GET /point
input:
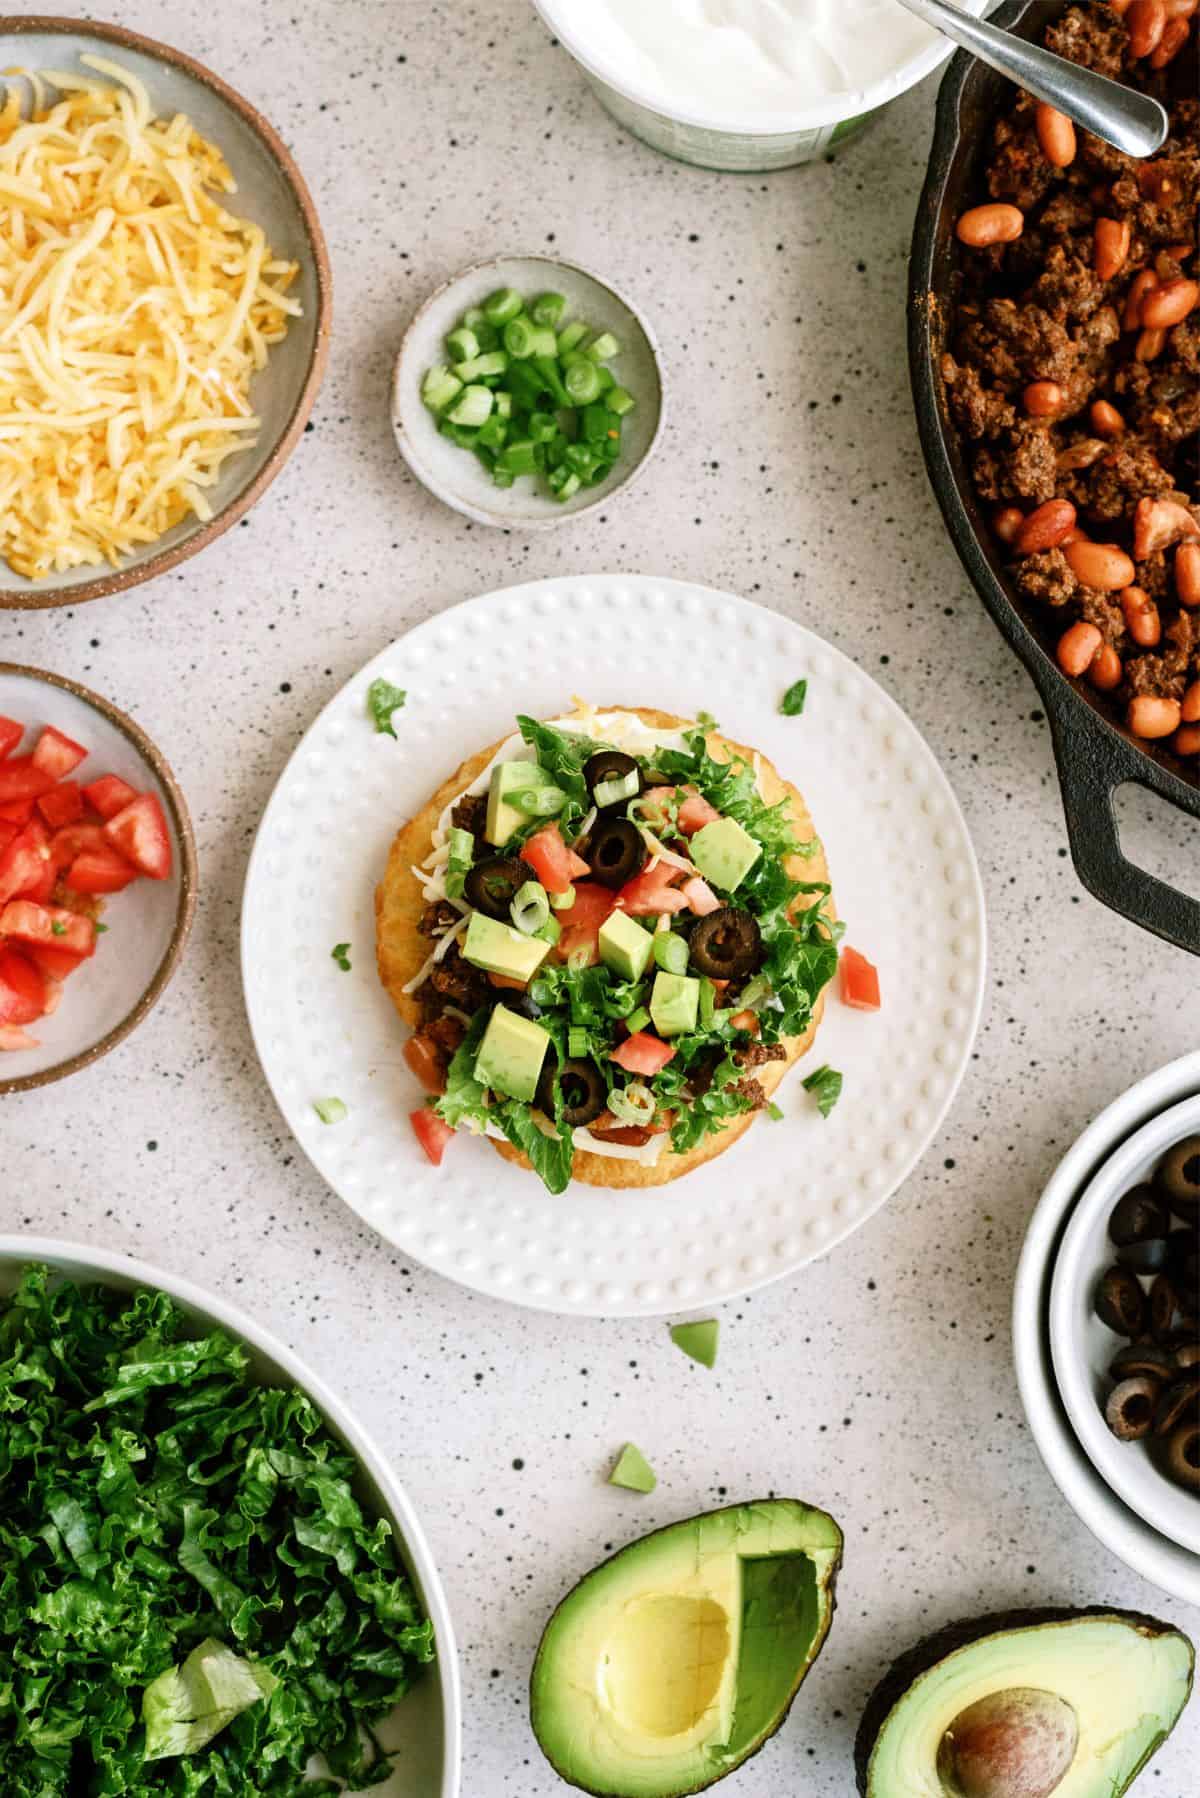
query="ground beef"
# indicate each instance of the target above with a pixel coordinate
(751, 1090)
(1037, 310)
(438, 918)
(758, 1054)
(471, 814)
(456, 982)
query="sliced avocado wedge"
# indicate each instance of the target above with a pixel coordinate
(1027, 1704)
(673, 1663)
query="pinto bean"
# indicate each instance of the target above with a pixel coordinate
(1045, 527)
(1152, 717)
(1105, 672)
(1056, 135)
(1112, 240)
(1106, 420)
(1141, 617)
(1104, 566)
(1170, 304)
(983, 226)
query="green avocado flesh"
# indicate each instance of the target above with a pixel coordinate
(1059, 1705)
(671, 1664)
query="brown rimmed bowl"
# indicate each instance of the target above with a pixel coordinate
(146, 926)
(271, 190)
(1095, 755)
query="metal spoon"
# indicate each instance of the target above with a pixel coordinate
(1122, 116)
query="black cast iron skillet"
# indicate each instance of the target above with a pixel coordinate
(1094, 756)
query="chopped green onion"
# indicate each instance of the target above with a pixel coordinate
(618, 789)
(440, 387)
(494, 434)
(670, 952)
(603, 347)
(462, 849)
(826, 1087)
(545, 802)
(792, 703)
(708, 1000)
(698, 1340)
(563, 484)
(570, 337)
(550, 931)
(504, 404)
(501, 306)
(633, 1104)
(341, 954)
(57, 929)
(330, 1111)
(519, 338)
(473, 317)
(462, 345)
(530, 908)
(577, 1043)
(620, 401)
(543, 427)
(582, 381)
(633, 1471)
(483, 367)
(519, 458)
(547, 368)
(382, 700)
(637, 1020)
(562, 901)
(473, 407)
(547, 309)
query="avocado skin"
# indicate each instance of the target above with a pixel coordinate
(831, 1590)
(926, 1654)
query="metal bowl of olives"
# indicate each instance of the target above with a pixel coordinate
(1125, 1322)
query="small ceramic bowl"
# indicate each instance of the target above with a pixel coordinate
(146, 926)
(454, 474)
(1082, 1347)
(271, 191)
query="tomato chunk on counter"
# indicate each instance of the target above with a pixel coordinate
(140, 834)
(27, 922)
(22, 989)
(860, 981)
(432, 1134)
(109, 795)
(643, 1054)
(57, 755)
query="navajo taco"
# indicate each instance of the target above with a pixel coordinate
(611, 935)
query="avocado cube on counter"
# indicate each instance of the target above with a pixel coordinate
(674, 1003)
(499, 949)
(503, 818)
(511, 1055)
(724, 853)
(625, 946)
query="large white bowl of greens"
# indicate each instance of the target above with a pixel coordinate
(211, 1584)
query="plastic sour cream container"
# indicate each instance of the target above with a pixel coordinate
(747, 85)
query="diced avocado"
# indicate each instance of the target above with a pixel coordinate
(633, 1471)
(511, 1054)
(624, 946)
(698, 1340)
(499, 949)
(503, 818)
(724, 853)
(1068, 1703)
(672, 1663)
(674, 1003)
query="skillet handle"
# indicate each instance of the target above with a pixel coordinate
(1093, 761)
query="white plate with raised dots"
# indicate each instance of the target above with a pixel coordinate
(904, 876)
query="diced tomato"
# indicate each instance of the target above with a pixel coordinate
(860, 981)
(507, 980)
(56, 754)
(139, 832)
(10, 735)
(427, 1062)
(17, 811)
(12, 1037)
(52, 925)
(20, 779)
(550, 858)
(577, 868)
(581, 922)
(99, 871)
(59, 964)
(695, 813)
(26, 864)
(700, 896)
(22, 989)
(746, 1020)
(652, 891)
(109, 795)
(7, 833)
(633, 1136)
(643, 1054)
(71, 841)
(431, 1133)
(52, 994)
(61, 805)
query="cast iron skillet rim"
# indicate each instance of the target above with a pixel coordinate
(1094, 758)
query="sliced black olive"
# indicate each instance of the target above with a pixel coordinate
(491, 886)
(726, 945)
(1183, 1456)
(1180, 1403)
(1138, 1217)
(1120, 1302)
(610, 764)
(1169, 1309)
(1178, 1177)
(1129, 1412)
(615, 851)
(1146, 1257)
(1142, 1360)
(1187, 1356)
(581, 1084)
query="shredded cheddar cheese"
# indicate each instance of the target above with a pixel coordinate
(134, 311)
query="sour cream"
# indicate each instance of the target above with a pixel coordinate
(735, 59)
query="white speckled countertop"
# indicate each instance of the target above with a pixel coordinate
(879, 1383)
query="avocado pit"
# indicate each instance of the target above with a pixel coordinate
(1017, 1743)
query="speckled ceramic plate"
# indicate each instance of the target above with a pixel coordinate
(904, 876)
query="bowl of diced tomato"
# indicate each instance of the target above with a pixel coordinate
(97, 876)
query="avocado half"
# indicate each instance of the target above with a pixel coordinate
(1055, 1703)
(668, 1666)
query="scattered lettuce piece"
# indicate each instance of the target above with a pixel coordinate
(382, 700)
(774, 1112)
(341, 954)
(185, 1707)
(792, 703)
(826, 1087)
(633, 1471)
(331, 1111)
(698, 1340)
